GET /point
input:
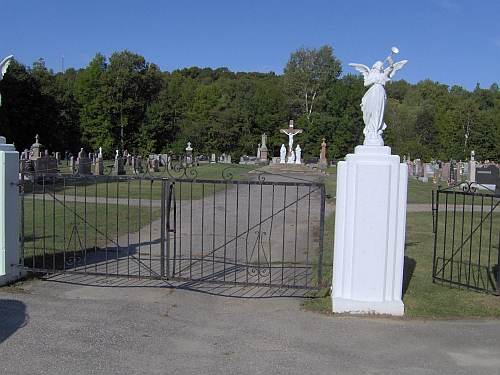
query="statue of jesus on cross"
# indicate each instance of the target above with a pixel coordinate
(291, 133)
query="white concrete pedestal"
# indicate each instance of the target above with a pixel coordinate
(370, 232)
(9, 213)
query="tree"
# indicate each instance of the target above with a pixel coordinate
(115, 98)
(94, 122)
(308, 74)
(346, 125)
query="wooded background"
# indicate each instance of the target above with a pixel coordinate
(126, 103)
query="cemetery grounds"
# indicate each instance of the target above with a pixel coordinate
(422, 297)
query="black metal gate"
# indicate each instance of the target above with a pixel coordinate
(221, 231)
(467, 239)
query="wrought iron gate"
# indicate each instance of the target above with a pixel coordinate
(467, 239)
(221, 231)
(247, 232)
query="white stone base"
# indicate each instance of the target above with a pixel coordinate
(370, 228)
(9, 222)
(349, 306)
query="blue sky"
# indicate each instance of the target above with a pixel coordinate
(454, 42)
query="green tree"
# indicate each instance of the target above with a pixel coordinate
(307, 75)
(115, 99)
(346, 129)
(94, 116)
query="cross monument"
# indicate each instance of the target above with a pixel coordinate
(291, 133)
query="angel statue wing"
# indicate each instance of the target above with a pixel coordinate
(361, 68)
(396, 67)
(5, 64)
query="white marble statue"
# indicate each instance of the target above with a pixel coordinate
(291, 159)
(298, 154)
(373, 102)
(3, 67)
(283, 153)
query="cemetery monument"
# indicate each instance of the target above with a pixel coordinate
(263, 151)
(370, 212)
(291, 132)
(373, 102)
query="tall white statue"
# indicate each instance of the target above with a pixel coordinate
(298, 154)
(3, 67)
(373, 102)
(283, 153)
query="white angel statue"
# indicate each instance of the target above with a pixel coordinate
(373, 102)
(3, 67)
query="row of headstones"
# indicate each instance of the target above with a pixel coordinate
(455, 173)
(46, 164)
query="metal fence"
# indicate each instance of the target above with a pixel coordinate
(220, 231)
(467, 239)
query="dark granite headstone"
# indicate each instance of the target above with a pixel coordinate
(45, 167)
(487, 174)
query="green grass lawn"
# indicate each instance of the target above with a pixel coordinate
(54, 230)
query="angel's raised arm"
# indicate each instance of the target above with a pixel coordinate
(396, 67)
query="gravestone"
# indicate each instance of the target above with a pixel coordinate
(312, 160)
(45, 167)
(263, 151)
(445, 172)
(137, 164)
(154, 165)
(322, 156)
(84, 165)
(487, 176)
(119, 166)
(99, 166)
(35, 149)
(429, 171)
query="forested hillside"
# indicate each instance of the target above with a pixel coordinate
(124, 102)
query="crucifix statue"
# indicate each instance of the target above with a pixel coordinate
(290, 132)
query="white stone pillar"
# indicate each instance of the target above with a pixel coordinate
(472, 172)
(9, 213)
(370, 232)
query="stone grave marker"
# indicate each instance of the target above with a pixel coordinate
(84, 165)
(487, 176)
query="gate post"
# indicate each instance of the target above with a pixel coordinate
(370, 232)
(9, 213)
